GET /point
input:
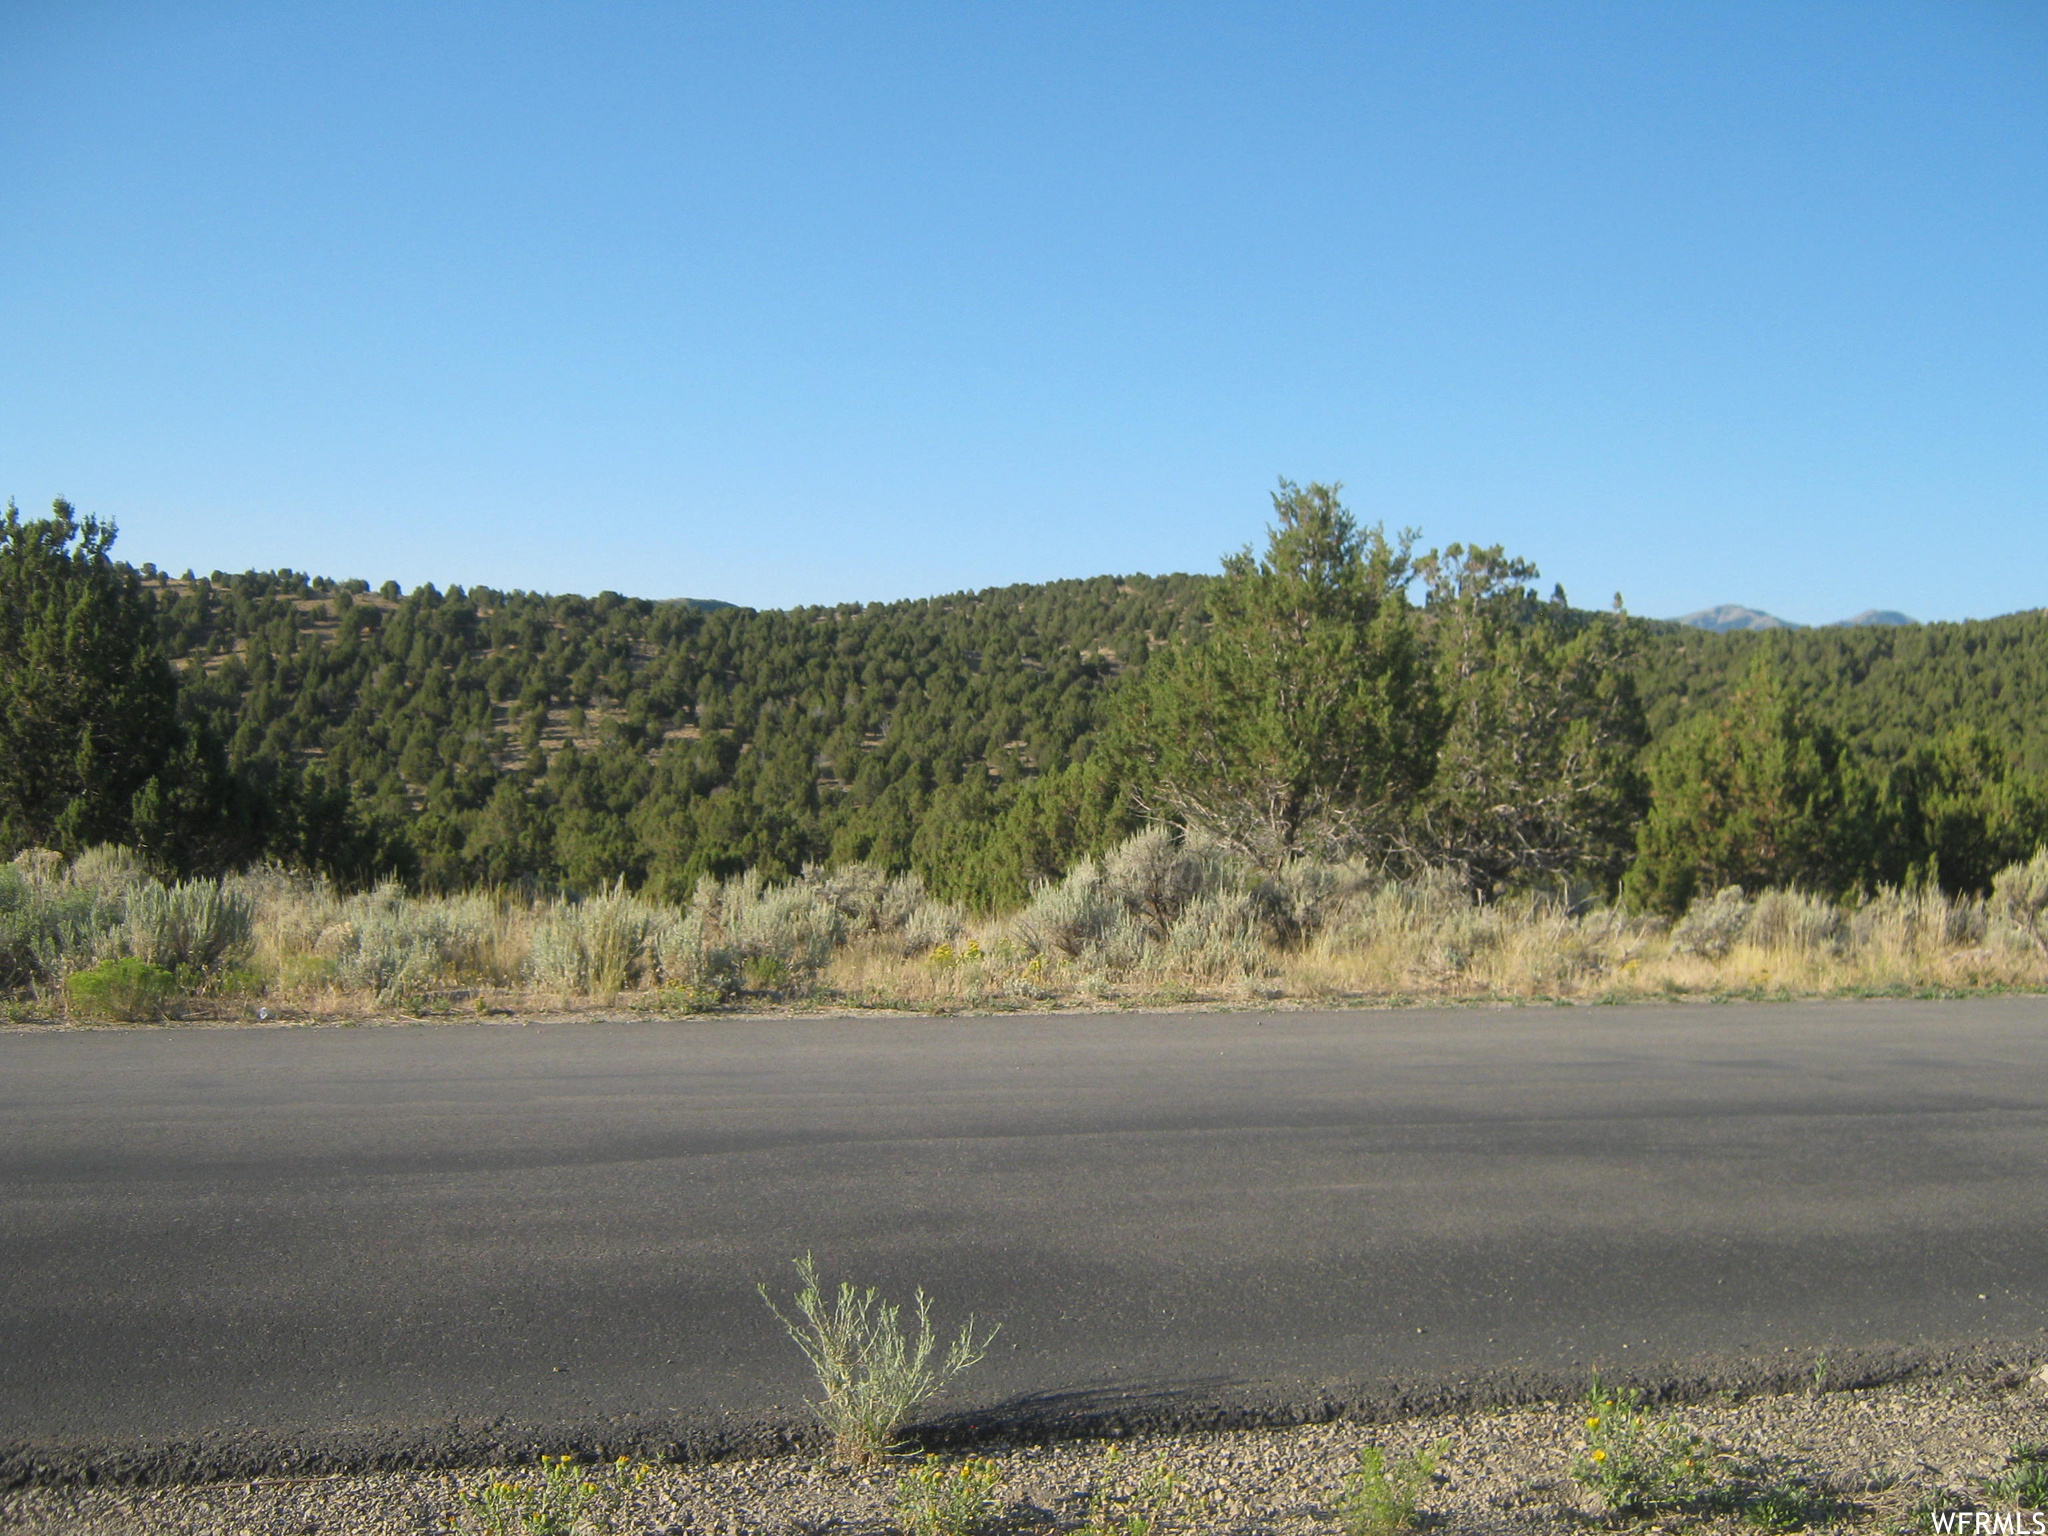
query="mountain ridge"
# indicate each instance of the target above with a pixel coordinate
(1725, 618)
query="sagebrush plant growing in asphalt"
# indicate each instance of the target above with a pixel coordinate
(874, 1374)
(1114, 1510)
(937, 1500)
(1380, 1499)
(566, 1500)
(1636, 1461)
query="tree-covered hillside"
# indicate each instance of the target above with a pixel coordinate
(498, 736)
(1885, 688)
(1339, 695)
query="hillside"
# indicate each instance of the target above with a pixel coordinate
(1884, 687)
(514, 734)
(500, 736)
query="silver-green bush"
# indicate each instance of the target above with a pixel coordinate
(2019, 895)
(1712, 925)
(196, 924)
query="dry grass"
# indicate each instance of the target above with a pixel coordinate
(1155, 923)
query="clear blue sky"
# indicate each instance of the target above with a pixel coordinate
(1703, 303)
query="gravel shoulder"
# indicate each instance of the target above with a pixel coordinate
(1881, 1452)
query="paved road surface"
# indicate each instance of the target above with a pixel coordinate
(311, 1233)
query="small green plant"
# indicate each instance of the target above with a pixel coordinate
(767, 973)
(123, 988)
(1381, 1500)
(2024, 1482)
(1637, 1462)
(566, 1500)
(235, 984)
(936, 1500)
(874, 1374)
(1786, 1505)
(1817, 1379)
(1114, 1510)
(689, 997)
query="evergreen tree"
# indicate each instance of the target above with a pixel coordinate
(1303, 718)
(89, 735)
(1960, 809)
(1754, 794)
(1536, 774)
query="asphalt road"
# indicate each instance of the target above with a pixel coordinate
(316, 1239)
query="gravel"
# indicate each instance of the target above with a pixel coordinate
(1880, 1451)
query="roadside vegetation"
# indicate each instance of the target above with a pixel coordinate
(1159, 920)
(1902, 1460)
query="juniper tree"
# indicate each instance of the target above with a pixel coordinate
(88, 702)
(1303, 715)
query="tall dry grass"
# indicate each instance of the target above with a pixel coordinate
(1156, 920)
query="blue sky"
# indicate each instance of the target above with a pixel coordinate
(1701, 303)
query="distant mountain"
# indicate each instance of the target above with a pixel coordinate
(1734, 616)
(1873, 616)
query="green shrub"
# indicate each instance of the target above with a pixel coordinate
(874, 1375)
(766, 973)
(123, 988)
(1381, 1500)
(937, 1500)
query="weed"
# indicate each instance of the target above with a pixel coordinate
(123, 988)
(236, 982)
(1637, 1462)
(1787, 1505)
(937, 1500)
(2023, 1483)
(689, 997)
(1920, 1516)
(1381, 1500)
(567, 1500)
(1137, 1511)
(1817, 1380)
(874, 1375)
(767, 973)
